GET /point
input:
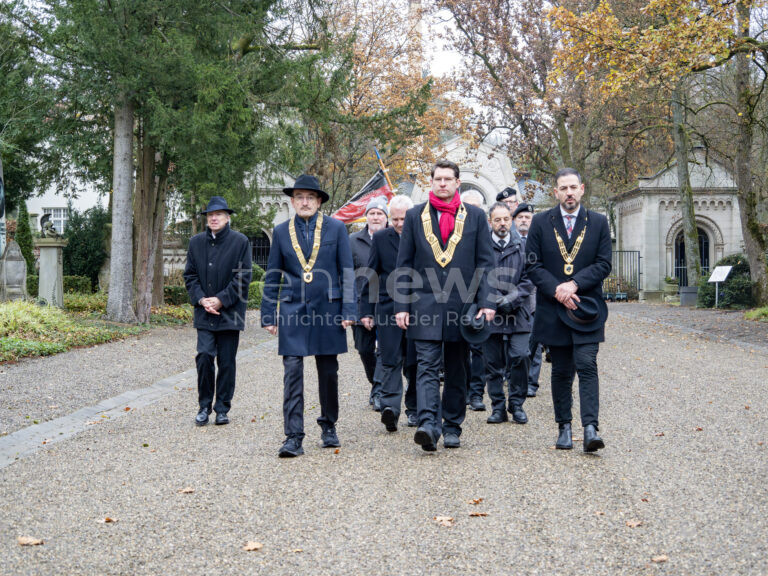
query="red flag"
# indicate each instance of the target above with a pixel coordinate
(355, 206)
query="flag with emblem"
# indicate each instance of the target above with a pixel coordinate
(354, 209)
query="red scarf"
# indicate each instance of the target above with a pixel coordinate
(448, 209)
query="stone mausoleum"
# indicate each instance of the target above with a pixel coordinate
(649, 221)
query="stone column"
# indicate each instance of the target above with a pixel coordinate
(51, 281)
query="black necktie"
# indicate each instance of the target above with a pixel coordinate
(501, 243)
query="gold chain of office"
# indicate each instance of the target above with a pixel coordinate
(569, 257)
(443, 257)
(307, 266)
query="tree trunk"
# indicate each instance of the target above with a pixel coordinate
(690, 232)
(754, 240)
(148, 217)
(158, 295)
(120, 300)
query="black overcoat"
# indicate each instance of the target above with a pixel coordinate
(434, 295)
(546, 268)
(375, 300)
(219, 267)
(310, 314)
(510, 279)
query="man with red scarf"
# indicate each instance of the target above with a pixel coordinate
(443, 262)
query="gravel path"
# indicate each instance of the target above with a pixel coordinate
(683, 480)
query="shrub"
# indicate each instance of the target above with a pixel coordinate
(258, 273)
(758, 314)
(175, 295)
(172, 314)
(79, 302)
(33, 285)
(735, 292)
(24, 237)
(175, 278)
(255, 292)
(85, 253)
(77, 285)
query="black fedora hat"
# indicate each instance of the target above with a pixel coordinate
(307, 182)
(217, 203)
(590, 314)
(473, 330)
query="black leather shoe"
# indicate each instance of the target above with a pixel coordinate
(532, 391)
(413, 421)
(451, 440)
(222, 418)
(202, 417)
(389, 419)
(377, 403)
(476, 404)
(592, 442)
(424, 439)
(291, 448)
(497, 417)
(518, 414)
(564, 438)
(329, 438)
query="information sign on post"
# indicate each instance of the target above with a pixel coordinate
(719, 274)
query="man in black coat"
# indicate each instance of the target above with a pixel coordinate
(506, 350)
(365, 340)
(377, 310)
(217, 276)
(569, 256)
(443, 262)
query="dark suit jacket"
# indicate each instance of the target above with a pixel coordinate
(545, 268)
(309, 317)
(219, 267)
(434, 296)
(375, 301)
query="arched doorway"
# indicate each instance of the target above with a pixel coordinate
(681, 272)
(260, 249)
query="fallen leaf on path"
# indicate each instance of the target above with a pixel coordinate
(699, 428)
(297, 550)
(478, 514)
(746, 407)
(475, 501)
(187, 490)
(659, 559)
(127, 408)
(444, 520)
(643, 499)
(253, 546)
(599, 513)
(107, 520)
(634, 523)
(28, 541)
(337, 450)
(660, 434)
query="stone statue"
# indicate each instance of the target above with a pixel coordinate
(13, 273)
(46, 227)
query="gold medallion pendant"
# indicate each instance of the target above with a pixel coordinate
(307, 266)
(443, 257)
(569, 257)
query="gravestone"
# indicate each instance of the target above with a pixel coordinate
(13, 273)
(51, 281)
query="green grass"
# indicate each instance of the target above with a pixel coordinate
(27, 329)
(758, 314)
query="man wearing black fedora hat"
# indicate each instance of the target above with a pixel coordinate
(217, 276)
(443, 262)
(569, 256)
(310, 273)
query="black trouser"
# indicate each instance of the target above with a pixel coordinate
(365, 344)
(534, 354)
(438, 416)
(507, 355)
(476, 371)
(393, 347)
(293, 393)
(220, 346)
(566, 362)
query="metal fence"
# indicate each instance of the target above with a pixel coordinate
(624, 280)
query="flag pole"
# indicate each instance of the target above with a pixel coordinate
(384, 169)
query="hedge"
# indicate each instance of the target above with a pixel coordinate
(257, 274)
(72, 285)
(735, 292)
(255, 292)
(175, 295)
